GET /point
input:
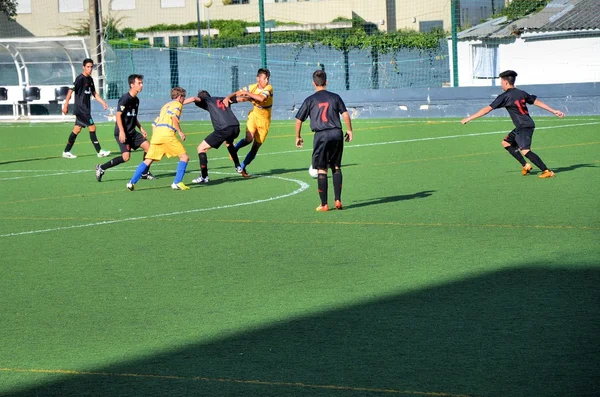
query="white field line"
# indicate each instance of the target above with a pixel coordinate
(348, 146)
(303, 187)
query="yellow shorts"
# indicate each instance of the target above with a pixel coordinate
(258, 126)
(172, 148)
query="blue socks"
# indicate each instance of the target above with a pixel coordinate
(249, 157)
(138, 172)
(241, 143)
(181, 166)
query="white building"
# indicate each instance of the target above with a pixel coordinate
(560, 44)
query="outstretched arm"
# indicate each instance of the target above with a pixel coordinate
(482, 112)
(229, 98)
(542, 105)
(190, 99)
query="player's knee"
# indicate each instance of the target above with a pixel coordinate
(505, 144)
(203, 147)
(184, 157)
(125, 157)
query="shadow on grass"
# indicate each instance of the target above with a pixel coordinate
(28, 160)
(391, 199)
(573, 167)
(529, 331)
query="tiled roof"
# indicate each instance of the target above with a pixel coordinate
(558, 15)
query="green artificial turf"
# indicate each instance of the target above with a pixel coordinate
(447, 273)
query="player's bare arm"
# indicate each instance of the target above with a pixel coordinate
(542, 105)
(348, 121)
(142, 130)
(299, 140)
(120, 126)
(480, 113)
(65, 108)
(102, 102)
(228, 98)
(190, 99)
(177, 127)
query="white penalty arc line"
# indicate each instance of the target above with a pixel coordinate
(303, 187)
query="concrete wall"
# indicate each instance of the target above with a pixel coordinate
(574, 99)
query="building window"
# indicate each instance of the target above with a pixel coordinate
(240, 2)
(172, 3)
(159, 42)
(24, 7)
(70, 5)
(428, 26)
(485, 61)
(117, 5)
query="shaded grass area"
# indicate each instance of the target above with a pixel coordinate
(447, 273)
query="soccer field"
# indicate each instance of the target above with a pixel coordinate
(448, 273)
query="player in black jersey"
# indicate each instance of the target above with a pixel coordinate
(84, 88)
(324, 109)
(518, 141)
(227, 128)
(126, 134)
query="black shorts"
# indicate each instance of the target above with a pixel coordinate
(216, 138)
(84, 120)
(521, 137)
(132, 142)
(328, 147)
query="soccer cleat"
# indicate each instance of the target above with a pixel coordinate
(99, 173)
(179, 186)
(130, 187)
(200, 180)
(68, 155)
(242, 172)
(547, 174)
(338, 205)
(323, 208)
(526, 169)
(149, 176)
(103, 153)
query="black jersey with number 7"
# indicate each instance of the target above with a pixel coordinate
(324, 109)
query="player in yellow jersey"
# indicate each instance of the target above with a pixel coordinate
(164, 142)
(259, 118)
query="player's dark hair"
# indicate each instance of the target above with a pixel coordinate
(509, 75)
(177, 91)
(203, 94)
(320, 78)
(264, 71)
(132, 77)
(87, 60)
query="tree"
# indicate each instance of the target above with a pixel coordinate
(9, 7)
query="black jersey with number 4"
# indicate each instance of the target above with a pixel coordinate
(84, 88)
(128, 106)
(221, 116)
(324, 109)
(515, 101)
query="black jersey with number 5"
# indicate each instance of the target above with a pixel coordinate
(221, 116)
(515, 101)
(324, 109)
(128, 106)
